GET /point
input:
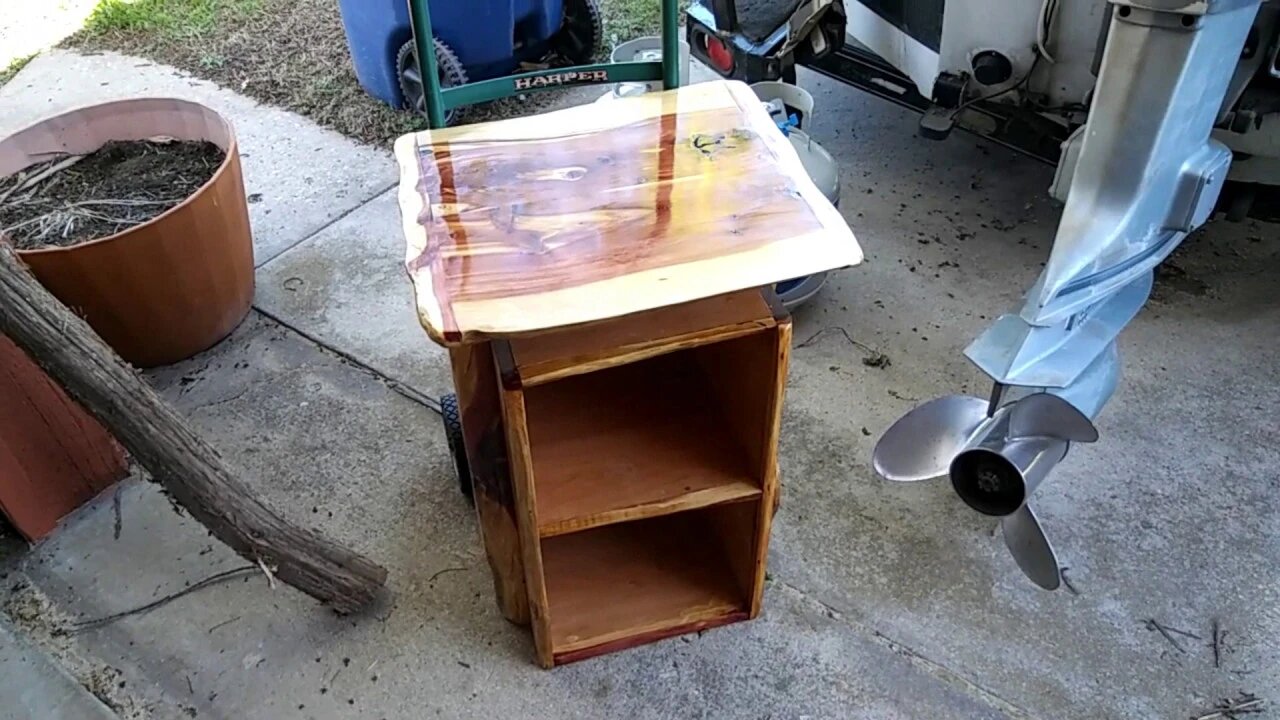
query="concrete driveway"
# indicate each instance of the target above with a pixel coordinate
(885, 601)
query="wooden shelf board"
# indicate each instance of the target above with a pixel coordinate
(631, 442)
(632, 583)
(734, 491)
(569, 656)
(572, 351)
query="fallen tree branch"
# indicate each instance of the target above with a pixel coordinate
(188, 468)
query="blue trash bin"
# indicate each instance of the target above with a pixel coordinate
(490, 37)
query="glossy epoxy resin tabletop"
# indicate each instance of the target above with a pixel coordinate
(602, 210)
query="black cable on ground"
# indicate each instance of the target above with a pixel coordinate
(214, 579)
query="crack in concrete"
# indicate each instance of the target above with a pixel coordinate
(933, 668)
(337, 218)
(399, 387)
(223, 401)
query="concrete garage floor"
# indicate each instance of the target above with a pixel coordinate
(885, 601)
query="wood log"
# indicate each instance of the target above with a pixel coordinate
(188, 468)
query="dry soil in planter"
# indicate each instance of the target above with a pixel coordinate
(73, 199)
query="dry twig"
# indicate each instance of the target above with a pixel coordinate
(1218, 635)
(224, 623)
(62, 220)
(54, 166)
(117, 512)
(271, 578)
(1167, 631)
(438, 573)
(1228, 709)
(874, 357)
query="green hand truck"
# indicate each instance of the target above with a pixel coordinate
(440, 100)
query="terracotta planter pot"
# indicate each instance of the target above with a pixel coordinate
(53, 455)
(168, 288)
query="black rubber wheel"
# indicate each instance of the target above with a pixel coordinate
(457, 446)
(581, 36)
(448, 68)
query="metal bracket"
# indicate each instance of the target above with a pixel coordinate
(1015, 352)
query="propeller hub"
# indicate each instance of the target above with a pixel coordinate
(988, 482)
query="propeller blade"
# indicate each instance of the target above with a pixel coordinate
(922, 443)
(1031, 549)
(1045, 415)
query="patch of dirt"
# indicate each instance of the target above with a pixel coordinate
(293, 54)
(36, 616)
(73, 199)
(1172, 281)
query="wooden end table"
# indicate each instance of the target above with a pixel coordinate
(595, 274)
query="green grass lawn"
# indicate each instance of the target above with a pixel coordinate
(14, 67)
(173, 19)
(626, 19)
(288, 53)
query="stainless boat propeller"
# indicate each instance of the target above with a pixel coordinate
(995, 459)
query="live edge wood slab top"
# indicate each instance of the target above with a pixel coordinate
(520, 226)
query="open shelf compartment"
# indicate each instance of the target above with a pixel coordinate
(643, 460)
(636, 582)
(648, 438)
